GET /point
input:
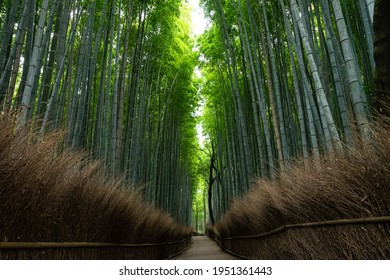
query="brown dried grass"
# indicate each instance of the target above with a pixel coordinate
(352, 185)
(58, 196)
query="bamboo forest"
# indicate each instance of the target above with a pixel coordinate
(269, 128)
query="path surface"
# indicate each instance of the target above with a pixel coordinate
(203, 248)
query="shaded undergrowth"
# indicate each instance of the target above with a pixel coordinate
(50, 195)
(352, 185)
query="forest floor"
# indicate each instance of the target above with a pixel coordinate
(203, 248)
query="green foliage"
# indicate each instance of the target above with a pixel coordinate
(279, 87)
(125, 91)
(276, 84)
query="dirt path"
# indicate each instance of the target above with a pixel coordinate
(203, 248)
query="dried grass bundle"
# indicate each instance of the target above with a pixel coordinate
(54, 196)
(352, 185)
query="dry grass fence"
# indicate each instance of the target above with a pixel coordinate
(49, 195)
(355, 185)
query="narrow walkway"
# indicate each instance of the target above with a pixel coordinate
(203, 248)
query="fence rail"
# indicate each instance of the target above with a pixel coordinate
(54, 245)
(372, 220)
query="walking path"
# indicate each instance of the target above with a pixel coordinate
(203, 248)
